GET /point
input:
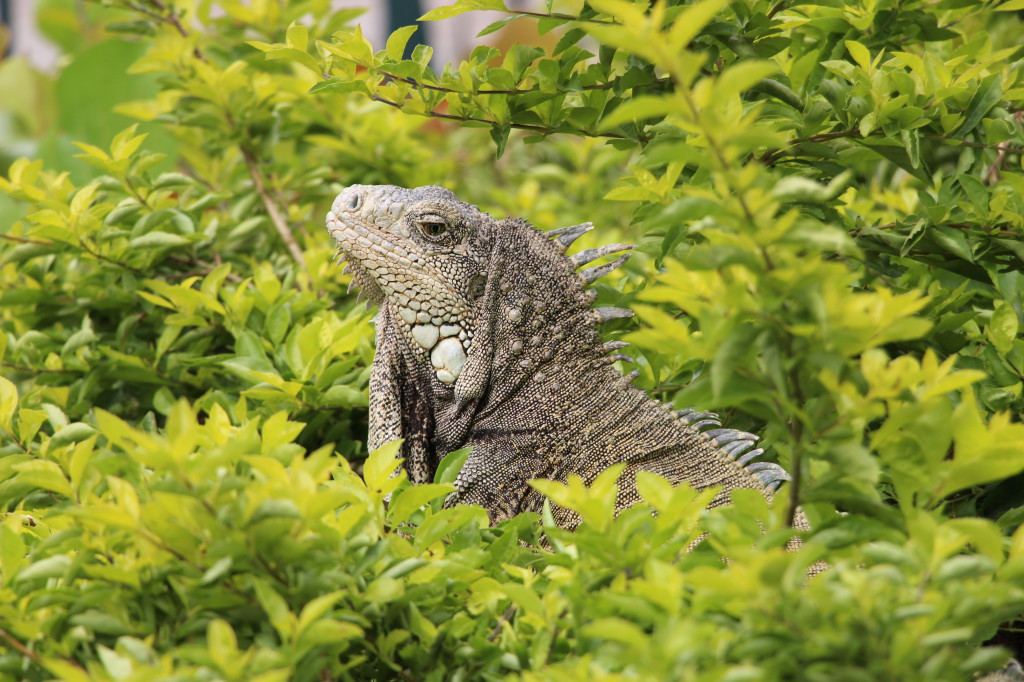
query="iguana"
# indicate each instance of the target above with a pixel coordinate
(486, 338)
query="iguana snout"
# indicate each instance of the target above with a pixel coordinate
(420, 248)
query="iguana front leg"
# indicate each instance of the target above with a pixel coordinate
(496, 476)
(397, 409)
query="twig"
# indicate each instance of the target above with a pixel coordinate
(522, 126)
(206, 268)
(17, 441)
(558, 15)
(173, 20)
(501, 621)
(513, 91)
(996, 229)
(796, 431)
(981, 145)
(992, 176)
(25, 240)
(773, 155)
(276, 217)
(99, 256)
(81, 244)
(39, 370)
(135, 193)
(24, 650)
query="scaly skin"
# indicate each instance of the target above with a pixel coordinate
(486, 338)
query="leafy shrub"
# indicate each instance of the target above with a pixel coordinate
(828, 203)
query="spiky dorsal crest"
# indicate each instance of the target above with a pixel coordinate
(732, 443)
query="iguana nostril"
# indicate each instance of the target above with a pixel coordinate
(354, 201)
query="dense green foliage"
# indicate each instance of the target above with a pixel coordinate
(829, 204)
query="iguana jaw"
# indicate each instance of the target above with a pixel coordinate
(375, 228)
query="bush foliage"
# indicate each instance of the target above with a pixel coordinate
(828, 200)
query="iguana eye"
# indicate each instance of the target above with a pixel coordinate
(432, 229)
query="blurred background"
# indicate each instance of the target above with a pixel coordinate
(62, 72)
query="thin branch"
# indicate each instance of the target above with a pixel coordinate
(24, 240)
(501, 621)
(17, 441)
(81, 244)
(995, 229)
(205, 269)
(135, 193)
(980, 145)
(719, 153)
(992, 175)
(38, 370)
(558, 15)
(173, 20)
(795, 425)
(773, 155)
(276, 216)
(514, 91)
(25, 651)
(99, 256)
(543, 130)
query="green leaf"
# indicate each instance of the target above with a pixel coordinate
(381, 465)
(383, 590)
(408, 500)
(67, 672)
(72, 433)
(692, 20)
(953, 240)
(450, 466)
(640, 108)
(12, 550)
(446, 12)
(742, 76)
(275, 509)
(297, 36)
(339, 86)
(989, 93)
(219, 569)
(342, 396)
(276, 608)
(172, 180)
(296, 56)
(8, 403)
(158, 240)
(500, 24)
(860, 54)
(1003, 327)
(318, 608)
(44, 474)
(976, 191)
(912, 143)
(222, 641)
(397, 41)
(51, 567)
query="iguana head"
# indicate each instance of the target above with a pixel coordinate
(420, 252)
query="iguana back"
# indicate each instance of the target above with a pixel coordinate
(486, 338)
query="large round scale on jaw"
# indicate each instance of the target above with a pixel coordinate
(425, 335)
(448, 358)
